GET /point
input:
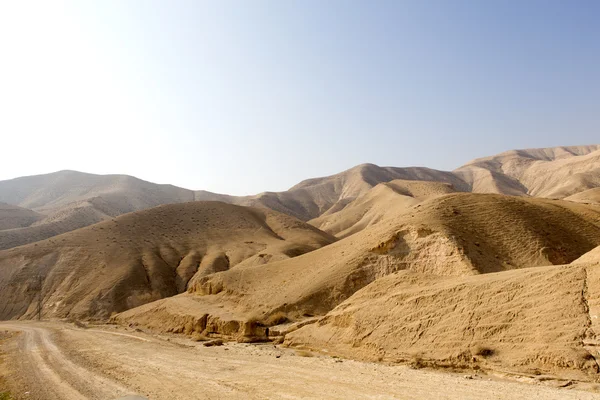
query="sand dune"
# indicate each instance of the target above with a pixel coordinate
(144, 256)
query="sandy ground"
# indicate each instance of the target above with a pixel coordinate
(60, 361)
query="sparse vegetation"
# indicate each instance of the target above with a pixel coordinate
(417, 361)
(5, 396)
(483, 351)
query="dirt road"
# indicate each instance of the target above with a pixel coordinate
(60, 361)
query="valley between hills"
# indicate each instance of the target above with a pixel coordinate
(392, 281)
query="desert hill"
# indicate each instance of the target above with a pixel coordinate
(53, 191)
(555, 172)
(591, 257)
(535, 321)
(68, 218)
(453, 235)
(69, 200)
(552, 172)
(14, 217)
(317, 196)
(548, 172)
(143, 256)
(494, 265)
(591, 196)
(385, 200)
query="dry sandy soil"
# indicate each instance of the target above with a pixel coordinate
(59, 361)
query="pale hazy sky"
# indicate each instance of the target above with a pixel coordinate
(245, 96)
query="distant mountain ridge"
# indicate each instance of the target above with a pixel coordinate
(68, 200)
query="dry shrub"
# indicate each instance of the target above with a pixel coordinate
(304, 353)
(483, 351)
(417, 361)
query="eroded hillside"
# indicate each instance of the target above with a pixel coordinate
(451, 236)
(144, 256)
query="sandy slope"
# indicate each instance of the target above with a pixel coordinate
(591, 196)
(549, 172)
(453, 235)
(313, 197)
(69, 200)
(53, 191)
(542, 320)
(532, 320)
(592, 256)
(384, 201)
(13, 217)
(144, 256)
(58, 361)
(72, 200)
(66, 219)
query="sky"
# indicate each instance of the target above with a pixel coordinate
(246, 96)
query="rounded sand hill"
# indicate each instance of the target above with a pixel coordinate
(144, 256)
